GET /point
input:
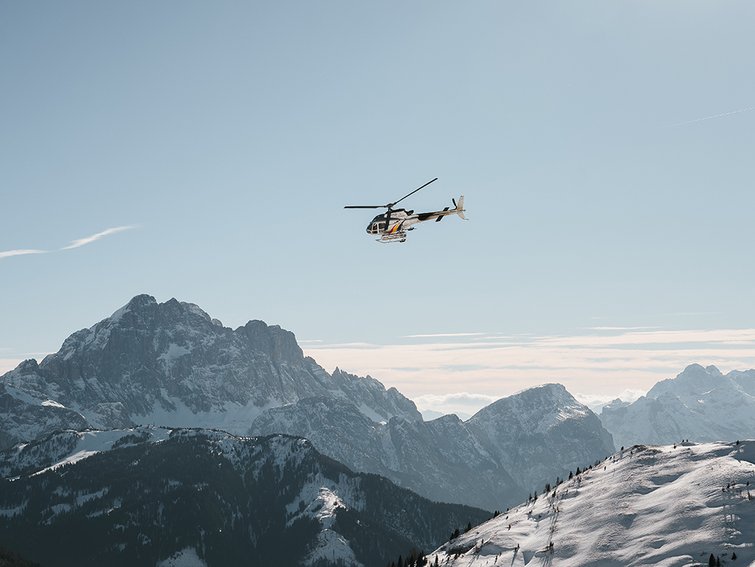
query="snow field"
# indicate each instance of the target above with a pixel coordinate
(643, 506)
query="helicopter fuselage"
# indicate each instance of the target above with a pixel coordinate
(395, 227)
(401, 219)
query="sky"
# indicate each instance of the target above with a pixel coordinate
(205, 151)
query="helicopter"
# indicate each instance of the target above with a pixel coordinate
(393, 225)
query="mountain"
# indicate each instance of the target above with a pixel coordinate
(540, 433)
(171, 364)
(492, 460)
(176, 497)
(700, 404)
(668, 505)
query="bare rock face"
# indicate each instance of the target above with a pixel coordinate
(172, 364)
(494, 459)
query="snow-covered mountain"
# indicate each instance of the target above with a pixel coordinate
(491, 460)
(670, 505)
(700, 404)
(541, 433)
(152, 496)
(171, 364)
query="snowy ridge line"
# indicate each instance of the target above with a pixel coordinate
(68, 447)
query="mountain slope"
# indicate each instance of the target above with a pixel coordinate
(492, 460)
(171, 364)
(152, 496)
(644, 506)
(540, 433)
(700, 404)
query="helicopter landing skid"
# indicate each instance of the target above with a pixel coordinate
(399, 236)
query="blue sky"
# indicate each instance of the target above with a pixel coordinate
(205, 152)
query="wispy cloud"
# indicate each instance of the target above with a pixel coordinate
(21, 252)
(73, 244)
(714, 116)
(98, 236)
(621, 328)
(442, 335)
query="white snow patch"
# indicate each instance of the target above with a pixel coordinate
(85, 497)
(15, 511)
(187, 557)
(69, 460)
(232, 416)
(332, 547)
(174, 352)
(93, 442)
(52, 404)
(370, 413)
(320, 499)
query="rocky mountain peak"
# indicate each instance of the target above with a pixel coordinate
(170, 363)
(694, 379)
(140, 302)
(543, 404)
(278, 343)
(28, 366)
(700, 403)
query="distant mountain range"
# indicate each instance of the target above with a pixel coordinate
(171, 364)
(152, 496)
(492, 460)
(670, 505)
(700, 404)
(130, 445)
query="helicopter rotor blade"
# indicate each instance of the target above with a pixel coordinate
(364, 206)
(412, 193)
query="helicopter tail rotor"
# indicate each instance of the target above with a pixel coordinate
(459, 207)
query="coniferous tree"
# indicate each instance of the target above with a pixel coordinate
(712, 561)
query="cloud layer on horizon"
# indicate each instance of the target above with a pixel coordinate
(600, 365)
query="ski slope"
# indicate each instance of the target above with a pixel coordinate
(667, 506)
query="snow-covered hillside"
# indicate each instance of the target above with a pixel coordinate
(665, 505)
(700, 404)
